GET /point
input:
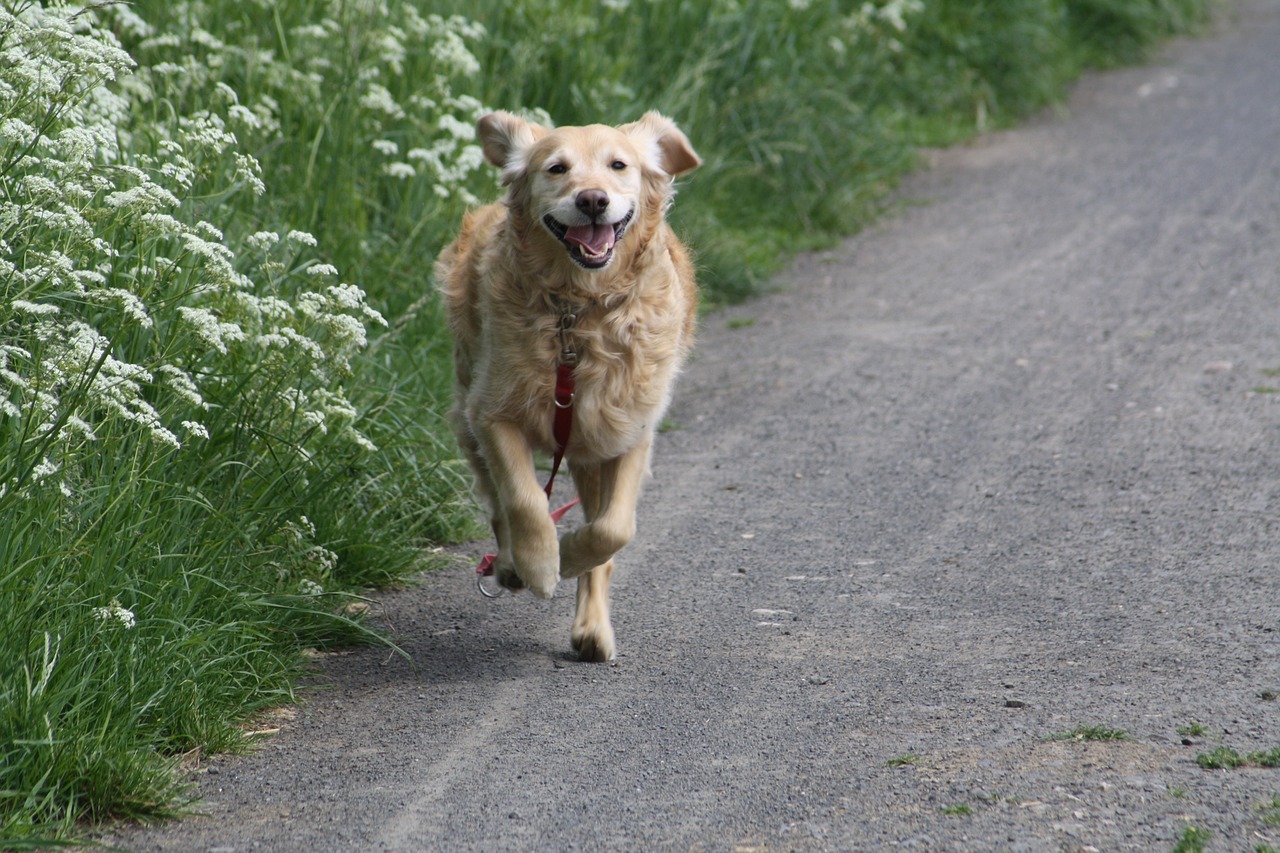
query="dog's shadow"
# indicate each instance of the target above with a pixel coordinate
(444, 631)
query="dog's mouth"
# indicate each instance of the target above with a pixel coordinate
(589, 246)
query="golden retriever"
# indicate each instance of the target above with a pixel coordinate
(576, 266)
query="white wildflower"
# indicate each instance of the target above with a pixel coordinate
(249, 170)
(196, 429)
(400, 171)
(384, 146)
(226, 93)
(33, 308)
(181, 383)
(17, 133)
(302, 238)
(323, 269)
(133, 307)
(44, 470)
(377, 99)
(346, 296)
(359, 439)
(117, 612)
(263, 240)
(77, 425)
(310, 588)
(451, 52)
(209, 329)
(457, 128)
(324, 559)
(245, 116)
(162, 435)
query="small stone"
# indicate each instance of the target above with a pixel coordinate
(1217, 367)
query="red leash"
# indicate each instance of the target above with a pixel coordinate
(561, 428)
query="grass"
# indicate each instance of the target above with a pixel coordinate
(1270, 811)
(907, 759)
(1192, 840)
(1094, 733)
(216, 229)
(1192, 729)
(1226, 758)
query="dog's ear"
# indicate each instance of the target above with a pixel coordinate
(507, 139)
(662, 144)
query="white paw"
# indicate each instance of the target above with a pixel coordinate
(594, 643)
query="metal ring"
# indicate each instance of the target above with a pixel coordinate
(568, 405)
(485, 592)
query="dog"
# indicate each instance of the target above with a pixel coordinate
(575, 271)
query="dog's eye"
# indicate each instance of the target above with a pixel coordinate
(618, 165)
(557, 169)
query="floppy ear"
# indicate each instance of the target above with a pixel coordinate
(662, 144)
(506, 139)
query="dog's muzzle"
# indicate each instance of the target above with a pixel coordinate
(590, 246)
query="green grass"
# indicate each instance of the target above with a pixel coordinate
(1193, 840)
(210, 440)
(958, 810)
(1192, 729)
(1094, 733)
(907, 759)
(1220, 758)
(1226, 758)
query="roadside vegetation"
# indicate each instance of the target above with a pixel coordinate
(222, 367)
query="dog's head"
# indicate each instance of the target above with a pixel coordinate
(584, 187)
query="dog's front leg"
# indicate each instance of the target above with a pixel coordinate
(530, 556)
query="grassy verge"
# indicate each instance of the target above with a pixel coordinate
(222, 370)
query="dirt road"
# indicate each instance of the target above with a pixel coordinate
(1003, 468)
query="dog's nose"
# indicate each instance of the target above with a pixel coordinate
(592, 202)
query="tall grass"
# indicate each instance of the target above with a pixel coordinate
(222, 368)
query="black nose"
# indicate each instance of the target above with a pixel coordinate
(592, 202)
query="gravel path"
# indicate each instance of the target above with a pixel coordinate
(1003, 468)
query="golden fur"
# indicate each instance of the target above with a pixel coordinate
(509, 279)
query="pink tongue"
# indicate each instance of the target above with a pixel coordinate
(594, 238)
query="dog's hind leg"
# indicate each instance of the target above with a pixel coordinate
(609, 492)
(592, 634)
(611, 511)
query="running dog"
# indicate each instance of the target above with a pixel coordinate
(570, 294)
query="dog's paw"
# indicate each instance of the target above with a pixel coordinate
(594, 643)
(538, 574)
(507, 577)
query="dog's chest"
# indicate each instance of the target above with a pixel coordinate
(623, 365)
